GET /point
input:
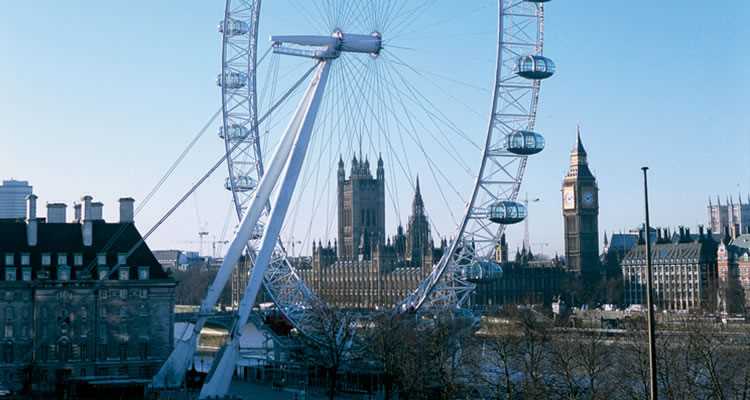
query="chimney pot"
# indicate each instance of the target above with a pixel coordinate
(77, 212)
(87, 229)
(86, 205)
(31, 207)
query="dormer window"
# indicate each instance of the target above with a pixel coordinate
(9, 259)
(25, 259)
(122, 258)
(62, 259)
(46, 259)
(101, 259)
(78, 259)
(143, 273)
(63, 273)
(26, 274)
(124, 273)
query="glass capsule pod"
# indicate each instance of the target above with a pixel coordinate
(482, 272)
(535, 67)
(232, 79)
(237, 132)
(233, 27)
(241, 183)
(507, 212)
(525, 143)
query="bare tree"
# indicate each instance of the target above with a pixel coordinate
(332, 344)
(494, 359)
(533, 348)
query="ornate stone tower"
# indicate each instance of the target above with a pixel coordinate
(418, 237)
(580, 198)
(361, 209)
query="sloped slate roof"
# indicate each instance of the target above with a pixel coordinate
(668, 252)
(112, 238)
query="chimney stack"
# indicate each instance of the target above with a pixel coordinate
(126, 210)
(88, 224)
(96, 211)
(56, 213)
(32, 226)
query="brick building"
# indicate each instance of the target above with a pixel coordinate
(734, 274)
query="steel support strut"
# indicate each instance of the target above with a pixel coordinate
(300, 128)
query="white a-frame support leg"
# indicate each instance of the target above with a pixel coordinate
(301, 128)
(172, 373)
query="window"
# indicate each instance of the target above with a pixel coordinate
(62, 259)
(143, 273)
(26, 273)
(10, 274)
(9, 259)
(63, 273)
(122, 258)
(84, 352)
(78, 259)
(123, 295)
(124, 273)
(144, 293)
(144, 351)
(8, 352)
(46, 259)
(103, 272)
(101, 259)
(25, 259)
(123, 351)
(9, 330)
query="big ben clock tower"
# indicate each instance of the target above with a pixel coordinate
(580, 196)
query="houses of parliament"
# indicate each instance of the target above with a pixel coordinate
(363, 268)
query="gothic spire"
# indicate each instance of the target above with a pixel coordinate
(579, 144)
(418, 203)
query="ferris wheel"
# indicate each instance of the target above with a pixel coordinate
(380, 85)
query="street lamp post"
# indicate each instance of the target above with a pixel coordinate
(649, 296)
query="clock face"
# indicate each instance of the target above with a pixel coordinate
(568, 199)
(588, 198)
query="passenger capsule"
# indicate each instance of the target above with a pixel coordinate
(233, 80)
(233, 27)
(241, 183)
(535, 67)
(525, 143)
(237, 132)
(482, 272)
(507, 212)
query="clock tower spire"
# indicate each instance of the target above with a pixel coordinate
(581, 213)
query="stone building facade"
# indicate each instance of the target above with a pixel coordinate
(363, 269)
(731, 215)
(684, 270)
(75, 304)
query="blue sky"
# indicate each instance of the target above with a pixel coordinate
(100, 99)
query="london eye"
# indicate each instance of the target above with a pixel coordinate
(404, 85)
